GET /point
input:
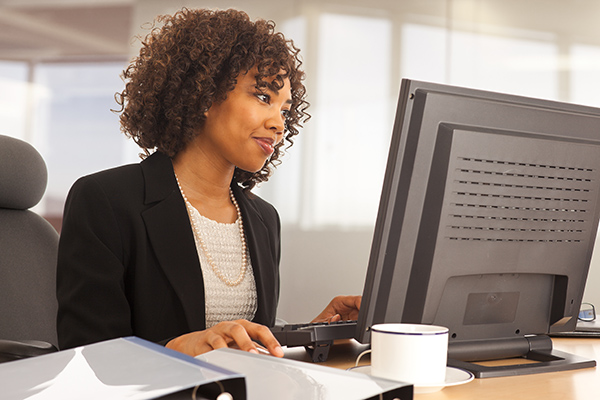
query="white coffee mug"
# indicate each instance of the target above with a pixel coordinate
(410, 353)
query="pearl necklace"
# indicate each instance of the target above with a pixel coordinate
(211, 262)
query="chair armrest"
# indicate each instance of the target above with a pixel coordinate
(14, 350)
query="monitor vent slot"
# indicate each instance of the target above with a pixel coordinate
(495, 200)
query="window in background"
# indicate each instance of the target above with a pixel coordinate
(423, 53)
(78, 132)
(505, 64)
(585, 80)
(13, 99)
(352, 119)
(355, 103)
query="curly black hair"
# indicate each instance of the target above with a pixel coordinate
(191, 61)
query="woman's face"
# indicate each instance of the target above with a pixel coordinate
(242, 130)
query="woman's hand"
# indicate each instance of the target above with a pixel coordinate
(340, 308)
(240, 334)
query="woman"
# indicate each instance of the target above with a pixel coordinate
(177, 249)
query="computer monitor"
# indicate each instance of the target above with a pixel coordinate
(486, 224)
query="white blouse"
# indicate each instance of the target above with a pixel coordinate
(223, 243)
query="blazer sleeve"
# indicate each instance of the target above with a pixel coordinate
(92, 301)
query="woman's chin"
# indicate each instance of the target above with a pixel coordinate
(254, 168)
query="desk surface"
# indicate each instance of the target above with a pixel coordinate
(568, 385)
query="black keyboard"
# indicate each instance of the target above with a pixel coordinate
(316, 337)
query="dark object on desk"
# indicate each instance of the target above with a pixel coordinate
(587, 313)
(486, 224)
(28, 247)
(15, 350)
(584, 329)
(316, 337)
(577, 334)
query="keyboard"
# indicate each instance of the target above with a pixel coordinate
(316, 337)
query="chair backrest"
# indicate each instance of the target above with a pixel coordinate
(28, 247)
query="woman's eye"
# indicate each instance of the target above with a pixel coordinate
(263, 97)
(285, 113)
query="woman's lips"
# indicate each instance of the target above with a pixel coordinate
(266, 144)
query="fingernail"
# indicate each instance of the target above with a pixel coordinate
(254, 351)
(279, 351)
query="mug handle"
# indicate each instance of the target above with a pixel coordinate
(360, 356)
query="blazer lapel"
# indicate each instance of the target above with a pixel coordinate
(170, 234)
(265, 268)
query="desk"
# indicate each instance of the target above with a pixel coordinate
(583, 384)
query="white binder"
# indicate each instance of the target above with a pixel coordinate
(127, 368)
(268, 377)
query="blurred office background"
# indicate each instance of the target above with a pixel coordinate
(60, 65)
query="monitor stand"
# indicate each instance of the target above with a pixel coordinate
(540, 351)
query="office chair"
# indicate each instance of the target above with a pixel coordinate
(28, 247)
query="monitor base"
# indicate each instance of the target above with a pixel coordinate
(544, 361)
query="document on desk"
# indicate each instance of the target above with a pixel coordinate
(268, 377)
(127, 368)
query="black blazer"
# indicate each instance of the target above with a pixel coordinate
(128, 264)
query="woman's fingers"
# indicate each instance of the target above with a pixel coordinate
(264, 335)
(238, 333)
(214, 338)
(340, 308)
(241, 334)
